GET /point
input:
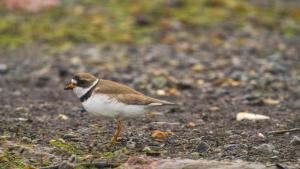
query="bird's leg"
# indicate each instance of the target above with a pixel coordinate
(117, 133)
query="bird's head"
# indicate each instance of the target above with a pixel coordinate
(81, 83)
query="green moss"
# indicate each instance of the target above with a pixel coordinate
(107, 154)
(59, 143)
(10, 160)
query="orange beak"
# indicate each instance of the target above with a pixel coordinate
(70, 86)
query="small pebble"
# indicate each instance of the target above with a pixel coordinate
(202, 147)
(295, 141)
(260, 135)
(26, 140)
(70, 135)
(195, 155)
(3, 68)
(265, 148)
(131, 145)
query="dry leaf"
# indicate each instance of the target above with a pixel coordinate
(168, 39)
(227, 82)
(173, 91)
(271, 102)
(160, 134)
(191, 125)
(250, 116)
(29, 167)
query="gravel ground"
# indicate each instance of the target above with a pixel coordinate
(213, 80)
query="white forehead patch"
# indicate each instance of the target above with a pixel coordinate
(74, 81)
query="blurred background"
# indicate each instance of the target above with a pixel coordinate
(63, 22)
(217, 58)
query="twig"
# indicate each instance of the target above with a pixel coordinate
(284, 131)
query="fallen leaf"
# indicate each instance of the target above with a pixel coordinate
(173, 91)
(271, 102)
(168, 39)
(191, 125)
(160, 134)
(251, 116)
(29, 167)
(227, 82)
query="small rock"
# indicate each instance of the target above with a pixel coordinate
(63, 71)
(131, 144)
(197, 68)
(185, 84)
(3, 68)
(202, 147)
(214, 109)
(265, 148)
(152, 151)
(261, 136)
(42, 81)
(271, 102)
(21, 110)
(295, 141)
(161, 92)
(70, 135)
(147, 149)
(159, 82)
(250, 116)
(195, 155)
(66, 165)
(16, 93)
(191, 125)
(26, 140)
(62, 117)
(142, 20)
(230, 147)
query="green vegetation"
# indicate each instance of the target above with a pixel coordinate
(10, 160)
(61, 144)
(133, 21)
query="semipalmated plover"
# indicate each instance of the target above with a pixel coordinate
(111, 99)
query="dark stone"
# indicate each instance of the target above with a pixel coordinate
(202, 147)
(42, 81)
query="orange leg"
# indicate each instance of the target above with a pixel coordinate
(116, 134)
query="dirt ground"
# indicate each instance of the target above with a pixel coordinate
(256, 72)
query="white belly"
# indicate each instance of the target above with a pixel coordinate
(102, 105)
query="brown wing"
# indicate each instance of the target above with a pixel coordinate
(127, 95)
(110, 87)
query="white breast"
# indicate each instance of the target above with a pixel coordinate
(102, 105)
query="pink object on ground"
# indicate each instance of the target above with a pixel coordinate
(31, 5)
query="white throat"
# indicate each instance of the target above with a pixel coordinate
(79, 91)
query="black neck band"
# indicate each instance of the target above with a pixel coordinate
(89, 93)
